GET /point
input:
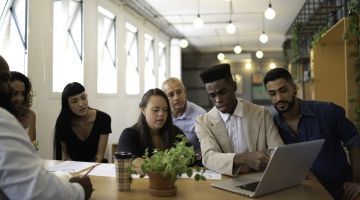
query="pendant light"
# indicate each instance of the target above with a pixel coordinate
(183, 43)
(263, 38)
(230, 27)
(237, 49)
(270, 12)
(220, 56)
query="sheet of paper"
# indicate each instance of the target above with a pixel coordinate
(209, 175)
(104, 169)
(70, 166)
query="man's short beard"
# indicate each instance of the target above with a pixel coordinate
(291, 104)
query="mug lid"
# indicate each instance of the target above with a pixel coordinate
(123, 155)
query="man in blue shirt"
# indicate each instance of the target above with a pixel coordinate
(184, 112)
(300, 121)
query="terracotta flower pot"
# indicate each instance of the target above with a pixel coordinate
(160, 185)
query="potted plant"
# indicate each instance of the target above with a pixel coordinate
(163, 167)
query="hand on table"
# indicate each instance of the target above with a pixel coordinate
(351, 191)
(85, 182)
(255, 160)
(137, 162)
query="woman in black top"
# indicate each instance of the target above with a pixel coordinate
(154, 129)
(81, 133)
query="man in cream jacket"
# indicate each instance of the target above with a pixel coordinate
(235, 135)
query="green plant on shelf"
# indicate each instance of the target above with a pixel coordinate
(352, 35)
(295, 41)
(317, 35)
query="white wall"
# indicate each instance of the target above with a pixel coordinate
(123, 109)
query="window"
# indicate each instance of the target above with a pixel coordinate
(107, 71)
(132, 68)
(162, 64)
(13, 33)
(67, 43)
(149, 74)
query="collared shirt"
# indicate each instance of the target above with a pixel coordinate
(186, 122)
(22, 175)
(233, 125)
(325, 120)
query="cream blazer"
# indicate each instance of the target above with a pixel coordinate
(259, 130)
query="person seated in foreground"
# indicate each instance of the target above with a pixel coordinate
(299, 120)
(183, 112)
(235, 135)
(154, 129)
(22, 94)
(81, 132)
(22, 175)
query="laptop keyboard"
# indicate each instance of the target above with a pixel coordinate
(250, 186)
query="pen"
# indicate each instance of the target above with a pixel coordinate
(270, 151)
(91, 168)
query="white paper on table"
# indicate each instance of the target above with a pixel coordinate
(70, 166)
(209, 175)
(104, 169)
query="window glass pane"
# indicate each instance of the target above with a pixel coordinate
(162, 64)
(2, 8)
(107, 71)
(67, 66)
(149, 74)
(132, 69)
(75, 27)
(13, 44)
(20, 9)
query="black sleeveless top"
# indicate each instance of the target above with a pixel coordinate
(79, 150)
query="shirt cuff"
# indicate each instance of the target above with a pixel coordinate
(79, 188)
(353, 142)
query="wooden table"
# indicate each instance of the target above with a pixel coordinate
(105, 188)
(188, 189)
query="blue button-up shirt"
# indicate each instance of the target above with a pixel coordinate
(186, 122)
(328, 121)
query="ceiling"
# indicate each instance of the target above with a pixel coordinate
(247, 16)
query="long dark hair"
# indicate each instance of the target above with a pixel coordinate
(17, 76)
(65, 115)
(167, 131)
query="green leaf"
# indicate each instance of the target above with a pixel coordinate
(197, 177)
(171, 162)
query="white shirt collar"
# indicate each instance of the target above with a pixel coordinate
(237, 112)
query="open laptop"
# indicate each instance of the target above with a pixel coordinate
(288, 166)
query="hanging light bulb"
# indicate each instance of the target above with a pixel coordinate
(198, 22)
(259, 54)
(220, 56)
(272, 66)
(263, 38)
(269, 13)
(184, 43)
(248, 66)
(237, 49)
(230, 28)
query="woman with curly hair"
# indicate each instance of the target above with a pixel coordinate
(22, 95)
